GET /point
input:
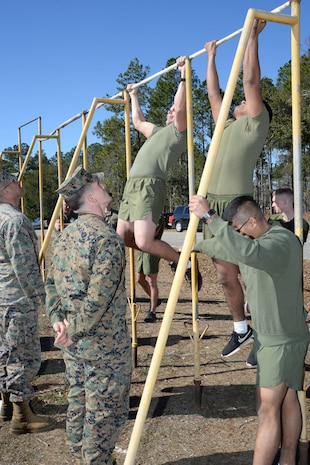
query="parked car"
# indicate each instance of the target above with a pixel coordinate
(180, 219)
(167, 215)
(37, 223)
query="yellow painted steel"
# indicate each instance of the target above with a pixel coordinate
(131, 301)
(192, 190)
(296, 123)
(72, 166)
(297, 170)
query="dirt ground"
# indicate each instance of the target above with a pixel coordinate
(180, 429)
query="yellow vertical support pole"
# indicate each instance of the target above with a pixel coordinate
(296, 124)
(132, 304)
(20, 164)
(40, 163)
(85, 155)
(192, 190)
(186, 249)
(59, 172)
(297, 160)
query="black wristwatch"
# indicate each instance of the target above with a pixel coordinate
(208, 215)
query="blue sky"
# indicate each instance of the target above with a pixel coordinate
(57, 55)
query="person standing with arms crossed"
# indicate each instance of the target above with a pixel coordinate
(242, 141)
(22, 296)
(86, 302)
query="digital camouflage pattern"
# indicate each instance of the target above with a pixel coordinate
(87, 286)
(6, 176)
(111, 218)
(21, 296)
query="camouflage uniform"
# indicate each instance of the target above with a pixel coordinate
(87, 287)
(111, 218)
(21, 295)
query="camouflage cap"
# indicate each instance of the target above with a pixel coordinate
(6, 176)
(79, 178)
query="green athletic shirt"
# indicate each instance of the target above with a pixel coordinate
(159, 152)
(240, 147)
(271, 267)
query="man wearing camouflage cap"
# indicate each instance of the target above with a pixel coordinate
(21, 296)
(86, 302)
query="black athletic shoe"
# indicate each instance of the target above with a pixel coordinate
(237, 341)
(150, 317)
(188, 277)
(188, 274)
(251, 361)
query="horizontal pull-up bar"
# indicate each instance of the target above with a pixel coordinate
(169, 68)
(200, 52)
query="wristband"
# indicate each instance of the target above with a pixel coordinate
(208, 215)
(182, 80)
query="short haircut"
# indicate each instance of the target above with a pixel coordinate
(75, 200)
(284, 190)
(233, 208)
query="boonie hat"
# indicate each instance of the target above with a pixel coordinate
(79, 178)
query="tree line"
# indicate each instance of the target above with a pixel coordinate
(274, 168)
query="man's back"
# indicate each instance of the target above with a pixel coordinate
(240, 147)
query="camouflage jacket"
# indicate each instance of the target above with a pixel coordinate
(86, 285)
(20, 277)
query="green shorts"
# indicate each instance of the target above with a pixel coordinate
(218, 203)
(143, 196)
(281, 364)
(147, 263)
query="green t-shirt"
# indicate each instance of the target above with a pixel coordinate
(240, 147)
(159, 152)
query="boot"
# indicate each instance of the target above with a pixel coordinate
(6, 411)
(25, 421)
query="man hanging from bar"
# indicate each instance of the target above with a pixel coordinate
(145, 191)
(242, 141)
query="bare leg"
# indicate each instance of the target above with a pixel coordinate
(268, 437)
(144, 233)
(291, 428)
(126, 231)
(141, 279)
(152, 281)
(227, 274)
(150, 287)
(140, 235)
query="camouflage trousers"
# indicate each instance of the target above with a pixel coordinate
(20, 352)
(98, 408)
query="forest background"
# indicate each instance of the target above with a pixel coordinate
(274, 168)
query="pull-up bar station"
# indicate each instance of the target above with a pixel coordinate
(122, 98)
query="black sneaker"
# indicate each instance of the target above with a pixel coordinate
(188, 277)
(251, 361)
(237, 341)
(150, 317)
(188, 274)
